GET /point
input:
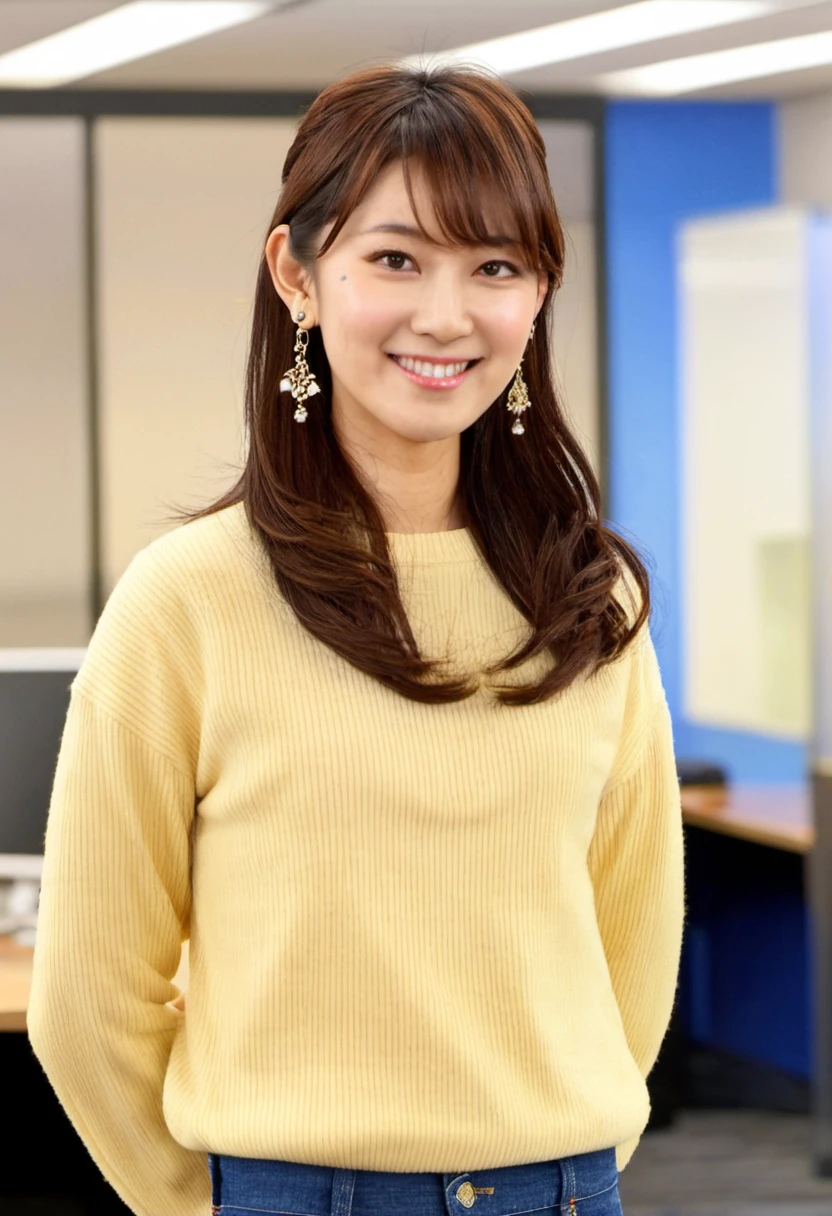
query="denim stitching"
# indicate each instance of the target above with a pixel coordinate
(236, 1207)
(343, 1202)
(568, 1184)
(595, 1194)
(547, 1207)
(228, 1207)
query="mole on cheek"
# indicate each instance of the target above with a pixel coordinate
(343, 276)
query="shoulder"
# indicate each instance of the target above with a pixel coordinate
(639, 658)
(628, 594)
(177, 575)
(146, 665)
(156, 612)
(205, 547)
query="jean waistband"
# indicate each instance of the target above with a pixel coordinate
(242, 1186)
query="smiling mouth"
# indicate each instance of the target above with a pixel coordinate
(445, 371)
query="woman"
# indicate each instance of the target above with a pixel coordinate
(434, 918)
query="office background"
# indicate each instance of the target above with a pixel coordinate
(129, 247)
(131, 224)
(133, 208)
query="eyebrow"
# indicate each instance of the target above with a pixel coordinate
(496, 238)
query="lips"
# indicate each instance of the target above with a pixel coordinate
(434, 374)
(437, 368)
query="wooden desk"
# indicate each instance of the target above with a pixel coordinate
(16, 980)
(777, 815)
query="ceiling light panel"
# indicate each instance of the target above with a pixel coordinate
(695, 72)
(646, 21)
(119, 36)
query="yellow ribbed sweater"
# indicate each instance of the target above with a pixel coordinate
(422, 937)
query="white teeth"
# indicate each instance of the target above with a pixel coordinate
(438, 371)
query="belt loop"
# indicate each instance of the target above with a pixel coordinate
(567, 1183)
(343, 1186)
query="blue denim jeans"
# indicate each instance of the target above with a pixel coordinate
(583, 1185)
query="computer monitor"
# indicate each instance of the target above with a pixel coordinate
(34, 699)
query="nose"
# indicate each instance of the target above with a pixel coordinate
(441, 311)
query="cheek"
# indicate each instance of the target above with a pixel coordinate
(360, 318)
(509, 325)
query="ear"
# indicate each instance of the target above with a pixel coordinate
(291, 281)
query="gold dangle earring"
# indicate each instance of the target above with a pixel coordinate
(518, 396)
(300, 380)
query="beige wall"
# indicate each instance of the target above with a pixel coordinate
(570, 158)
(44, 476)
(806, 151)
(184, 208)
(574, 339)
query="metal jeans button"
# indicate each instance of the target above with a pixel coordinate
(465, 1195)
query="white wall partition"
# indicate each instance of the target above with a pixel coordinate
(747, 348)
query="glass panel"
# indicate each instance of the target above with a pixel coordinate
(745, 444)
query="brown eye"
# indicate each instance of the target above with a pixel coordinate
(498, 264)
(394, 254)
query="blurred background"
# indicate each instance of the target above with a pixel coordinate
(690, 150)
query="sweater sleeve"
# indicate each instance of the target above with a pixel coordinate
(115, 899)
(636, 862)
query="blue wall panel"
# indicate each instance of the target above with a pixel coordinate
(666, 163)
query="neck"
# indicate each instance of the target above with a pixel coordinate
(415, 485)
(425, 521)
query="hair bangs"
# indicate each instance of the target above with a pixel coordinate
(355, 180)
(476, 208)
(475, 194)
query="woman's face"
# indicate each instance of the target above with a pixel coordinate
(402, 319)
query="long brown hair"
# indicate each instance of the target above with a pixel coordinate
(532, 505)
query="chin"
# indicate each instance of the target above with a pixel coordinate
(419, 430)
